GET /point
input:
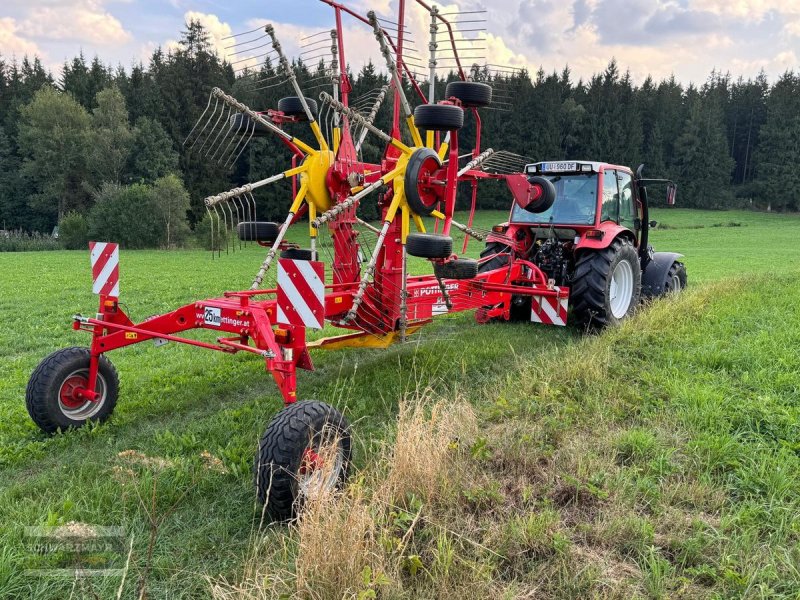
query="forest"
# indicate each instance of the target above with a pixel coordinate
(99, 150)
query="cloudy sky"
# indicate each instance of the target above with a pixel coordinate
(684, 37)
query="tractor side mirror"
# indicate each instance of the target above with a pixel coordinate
(672, 191)
(653, 224)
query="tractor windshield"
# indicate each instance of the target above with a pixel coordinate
(575, 204)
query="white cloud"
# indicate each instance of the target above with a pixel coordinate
(747, 9)
(79, 21)
(13, 44)
(217, 29)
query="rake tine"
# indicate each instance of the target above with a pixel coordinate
(213, 128)
(238, 218)
(202, 131)
(225, 154)
(211, 227)
(239, 141)
(252, 131)
(227, 206)
(221, 130)
(198, 121)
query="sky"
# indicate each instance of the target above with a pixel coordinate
(687, 38)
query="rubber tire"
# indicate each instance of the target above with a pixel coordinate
(41, 395)
(258, 231)
(439, 117)
(281, 448)
(591, 281)
(292, 107)
(502, 257)
(296, 253)
(410, 180)
(679, 269)
(429, 245)
(243, 125)
(545, 201)
(470, 93)
(460, 268)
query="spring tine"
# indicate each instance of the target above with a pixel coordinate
(236, 204)
(213, 128)
(225, 154)
(210, 117)
(219, 241)
(227, 206)
(211, 227)
(252, 131)
(226, 122)
(239, 138)
(198, 120)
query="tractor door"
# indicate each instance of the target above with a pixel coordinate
(628, 217)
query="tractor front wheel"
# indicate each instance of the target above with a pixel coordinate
(54, 396)
(606, 285)
(676, 278)
(304, 453)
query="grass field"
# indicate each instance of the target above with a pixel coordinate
(656, 460)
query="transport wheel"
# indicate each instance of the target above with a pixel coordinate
(292, 107)
(258, 231)
(53, 396)
(290, 466)
(296, 253)
(676, 279)
(546, 195)
(429, 245)
(439, 117)
(243, 125)
(421, 196)
(460, 268)
(471, 93)
(606, 285)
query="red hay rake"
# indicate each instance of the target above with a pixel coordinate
(369, 292)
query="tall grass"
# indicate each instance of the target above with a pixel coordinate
(22, 241)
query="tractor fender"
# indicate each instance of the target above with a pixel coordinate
(655, 273)
(611, 231)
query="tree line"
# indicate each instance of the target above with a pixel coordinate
(100, 150)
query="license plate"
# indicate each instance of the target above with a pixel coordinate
(559, 167)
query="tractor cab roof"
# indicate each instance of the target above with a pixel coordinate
(569, 166)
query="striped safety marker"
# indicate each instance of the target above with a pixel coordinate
(105, 268)
(301, 293)
(550, 311)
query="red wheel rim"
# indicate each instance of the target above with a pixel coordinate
(68, 392)
(429, 193)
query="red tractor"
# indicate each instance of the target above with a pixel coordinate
(586, 226)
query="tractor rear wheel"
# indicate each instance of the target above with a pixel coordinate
(258, 231)
(676, 278)
(606, 285)
(439, 117)
(471, 93)
(304, 453)
(291, 106)
(459, 268)
(429, 245)
(53, 396)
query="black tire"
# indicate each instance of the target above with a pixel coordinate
(258, 231)
(291, 106)
(460, 268)
(439, 117)
(43, 396)
(298, 427)
(500, 256)
(547, 197)
(471, 93)
(296, 253)
(422, 201)
(245, 126)
(591, 284)
(676, 278)
(429, 245)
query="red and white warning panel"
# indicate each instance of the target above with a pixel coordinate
(301, 293)
(549, 310)
(105, 268)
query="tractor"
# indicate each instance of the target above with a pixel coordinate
(586, 225)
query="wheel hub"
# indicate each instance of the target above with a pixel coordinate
(72, 391)
(76, 400)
